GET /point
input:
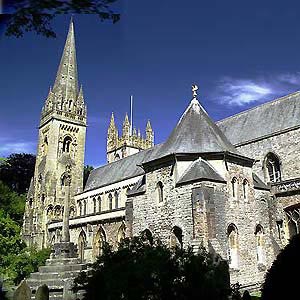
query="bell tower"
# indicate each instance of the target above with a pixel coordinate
(61, 146)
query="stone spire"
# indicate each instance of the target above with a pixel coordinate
(149, 134)
(126, 128)
(66, 82)
(112, 134)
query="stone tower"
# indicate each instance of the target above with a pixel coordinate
(61, 146)
(129, 142)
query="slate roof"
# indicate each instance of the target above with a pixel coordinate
(263, 120)
(200, 169)
(195, 132)
(119, 170)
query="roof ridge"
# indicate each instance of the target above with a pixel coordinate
(260, 105)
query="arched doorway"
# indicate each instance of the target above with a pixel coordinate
(81, 245)
(99, 240)
(176, 237)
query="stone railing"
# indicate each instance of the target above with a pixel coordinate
(286, 186)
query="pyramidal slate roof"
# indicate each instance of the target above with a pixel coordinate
(263, 120)
(195, 132)
(200, 169)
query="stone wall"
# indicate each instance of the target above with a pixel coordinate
(285, 145)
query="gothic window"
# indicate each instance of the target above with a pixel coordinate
(43, 197)
(99, 204)
(232, 234)
(159, 192)
(121, 233)
(245, 189)
(57, 211)
(80, 208)
(260, 244)
(147, 235)
(116, 199)
(117, 157)
(30, 202)
(81, 245)
(50, 212)
(234, 185)
(99, 240)
(110, 200)
(272, 165)
(67, 144)
(176, 237)
(95, 205)
(293, 220)
(45, 146)
(84, 207)
(72, 212)
(70, 105)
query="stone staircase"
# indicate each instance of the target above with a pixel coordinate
(58, 274)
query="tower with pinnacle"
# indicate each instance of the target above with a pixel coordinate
(60, 149)
(129, 142)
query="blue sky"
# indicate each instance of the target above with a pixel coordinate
(240, 53)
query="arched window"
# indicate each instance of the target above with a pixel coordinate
(160, 192)
(232, 234)
(99, 240)
(293, 220)
(95, 205)
(272, 165)
(50, 212)
(110, 201)
(84, 207)
(99, 204)
(147, 235)
(117, 157)
(72, 212)
(67, 144)
(234, 187)
(116, 199)
(81, 245)
(30, 202)
(176, 237)
(260, 244)
(45, 146)
(57, 211)
(121, 233)
(245, 189)
(80, 208)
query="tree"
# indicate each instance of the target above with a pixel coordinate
(16, 260)
(281, 280)
(17, 171)
(86, 172)
(36, 15)
(140, 269)
(12, 203)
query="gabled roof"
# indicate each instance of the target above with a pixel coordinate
(119, 170)
(200, 170)
(263, 120)
(195, 132)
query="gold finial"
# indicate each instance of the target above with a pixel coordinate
(194, 90)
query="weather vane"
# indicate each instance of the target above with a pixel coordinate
(194, 90)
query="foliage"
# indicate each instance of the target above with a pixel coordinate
(35, 15)
(12, 203)
(86, 172)
(140, 269)
(281, 281)
(17, 171)
(16, 260)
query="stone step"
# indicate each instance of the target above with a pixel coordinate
(56, 275)
(62, 268)
(63, 261)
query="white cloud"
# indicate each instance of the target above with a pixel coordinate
(7, 148)
(240, 92)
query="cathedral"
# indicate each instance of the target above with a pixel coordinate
(232, 186)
